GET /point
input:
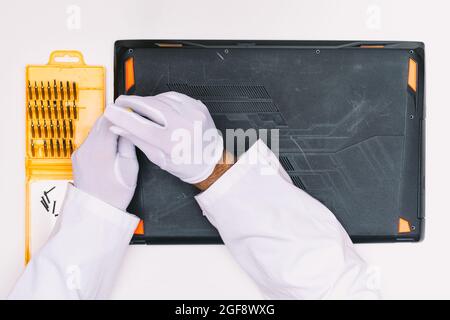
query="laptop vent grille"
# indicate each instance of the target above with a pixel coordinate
(221, 91)
(241, 106)
(298, 182)
(287, 165)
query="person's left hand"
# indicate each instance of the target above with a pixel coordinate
(105, 166)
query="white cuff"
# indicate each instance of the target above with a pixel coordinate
(257, 155)
(89, 205)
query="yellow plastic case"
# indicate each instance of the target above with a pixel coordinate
(63, 100)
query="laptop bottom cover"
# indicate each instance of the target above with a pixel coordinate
(349, 120)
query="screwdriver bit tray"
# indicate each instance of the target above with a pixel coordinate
(52, 110)
(63, 100)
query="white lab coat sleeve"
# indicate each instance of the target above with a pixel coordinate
(288, 242)
(83, 254)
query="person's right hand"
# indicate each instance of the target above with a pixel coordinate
(174, 131)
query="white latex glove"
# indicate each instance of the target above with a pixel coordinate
(174, 131)
(105, 166)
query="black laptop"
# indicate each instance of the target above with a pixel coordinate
(350, 117)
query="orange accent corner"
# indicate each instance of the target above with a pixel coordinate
(372, 46)
(140, 228)
(403, 226)
(129, 73)
(169, 45)
(412, 74)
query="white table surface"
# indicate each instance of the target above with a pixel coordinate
(30, 30)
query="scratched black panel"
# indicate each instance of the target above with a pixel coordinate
(343, 117)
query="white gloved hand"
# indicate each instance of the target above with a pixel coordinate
(174, 131)
(105, 166)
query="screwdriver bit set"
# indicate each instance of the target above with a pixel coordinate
(64, 98)
(52, 110)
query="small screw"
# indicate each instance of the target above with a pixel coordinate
(130, 51)
(411, 117)
(317, 51)
(44, 205)
(411, 51)
(51, 189)
(46, 196)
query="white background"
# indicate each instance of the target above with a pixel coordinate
(30, 30)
